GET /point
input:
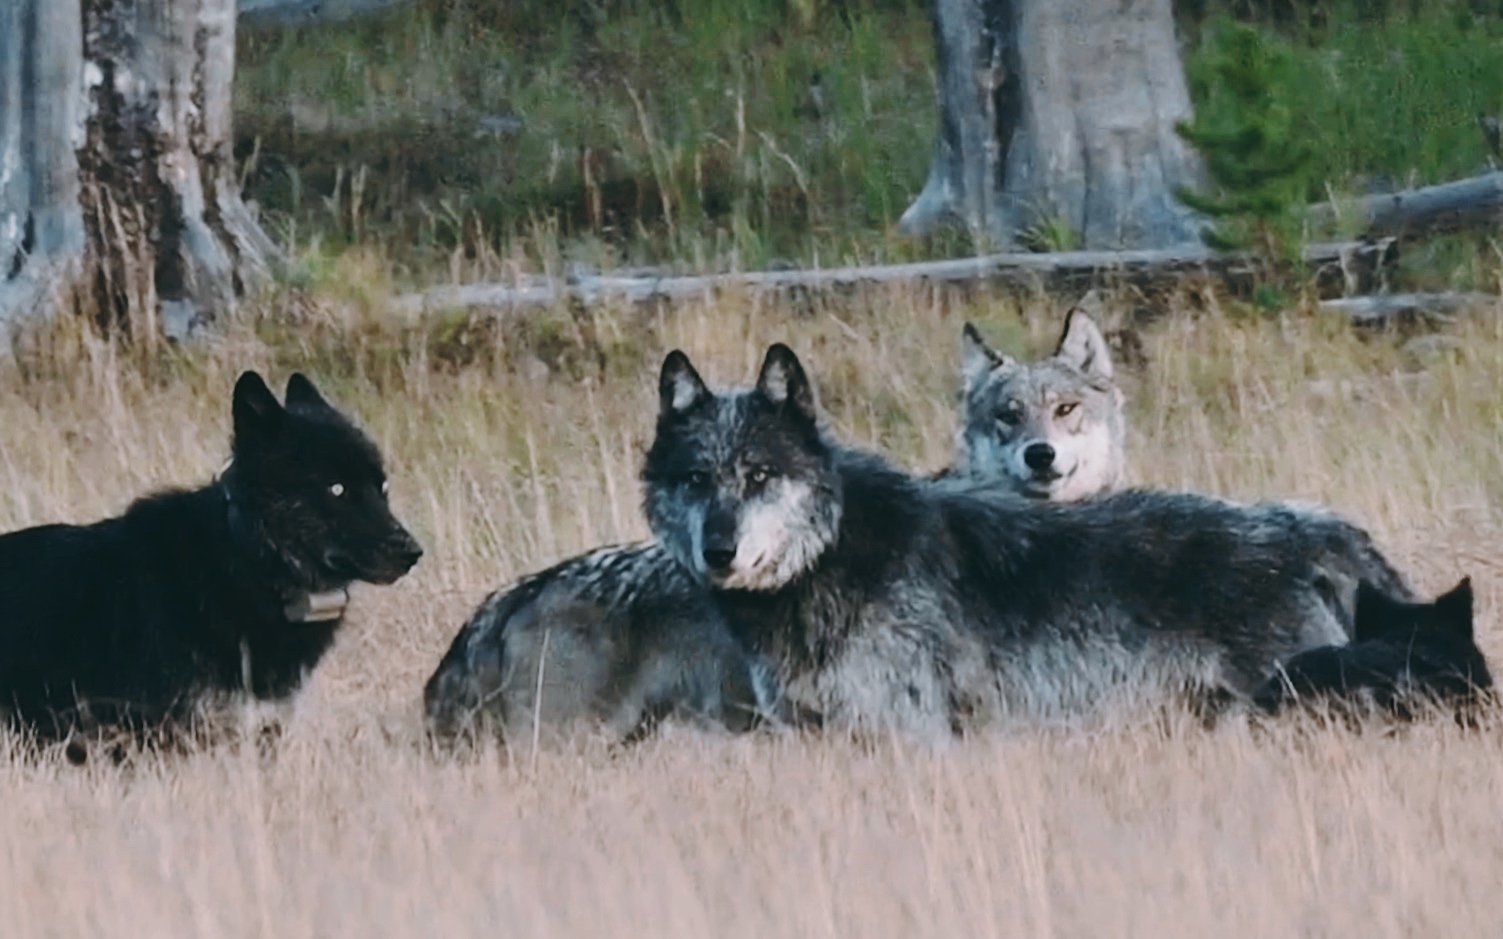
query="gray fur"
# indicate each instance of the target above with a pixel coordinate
(1051, 429)
(615, 640)
(936, 606)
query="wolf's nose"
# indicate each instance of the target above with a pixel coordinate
(718, 559)
(407, 551)
(1038, 456)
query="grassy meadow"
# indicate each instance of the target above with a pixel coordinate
(461, 141)
(521, 447)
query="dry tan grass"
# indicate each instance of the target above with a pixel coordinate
(354, 828)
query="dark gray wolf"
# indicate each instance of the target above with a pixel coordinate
(1051, 429)
(881, 601)
(619, 638)
(1401, 655)
(613, 641)
(236, 588)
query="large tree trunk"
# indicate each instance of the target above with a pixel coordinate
(41, 115)
(115, 116)
(1060, 114)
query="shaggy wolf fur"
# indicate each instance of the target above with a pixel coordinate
(1051, 429)
(234, 588)
(1401, 654)
(620, 637)
(882, 601)
(611, 641)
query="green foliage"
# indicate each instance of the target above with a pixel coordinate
(498, 136)
(1246, 132)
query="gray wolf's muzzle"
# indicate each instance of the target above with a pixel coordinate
(719, 544)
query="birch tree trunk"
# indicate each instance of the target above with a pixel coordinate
(118, 196)
(1060, 115)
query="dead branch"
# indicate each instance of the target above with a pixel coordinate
(1354, 261)
(1469, 204)
(1386, 309)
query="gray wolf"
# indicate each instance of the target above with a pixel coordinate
(881, 601)
(613, 642)
(234, 588)
(1402, 654)
(620, 638)
(1050, 429)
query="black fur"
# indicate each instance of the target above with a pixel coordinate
(130, 621)
(1402, 654)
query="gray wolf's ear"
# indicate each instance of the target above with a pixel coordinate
(303, 396)
(680, 388)
(256, 411)
(1455, 608)
(977, 359)
(1083, 346)
(782, 381)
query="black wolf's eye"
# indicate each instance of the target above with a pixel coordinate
(1066, 409)
(385, 487)
(760, 476)
(697, 478)
(336, 490)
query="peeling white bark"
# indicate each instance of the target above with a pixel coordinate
(116, 163)
(1060, 112)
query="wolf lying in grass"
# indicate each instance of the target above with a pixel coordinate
(885, 602)
(1403, 657)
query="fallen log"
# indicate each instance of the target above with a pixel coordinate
(1388, 309)
(1469, 204)
(1353, 263)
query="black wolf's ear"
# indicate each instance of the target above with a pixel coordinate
(1083, 346)
(782, 381)
(1453, 609)
(680, 388)
(302, 395)
(256, 410)
(1372, 614)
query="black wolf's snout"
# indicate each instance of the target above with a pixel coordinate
(719, 551)
(404, 550)
(1038, 456)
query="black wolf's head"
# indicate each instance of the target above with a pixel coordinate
(1436, 639)
(314, 487)
(742, 485)
(1399, 651)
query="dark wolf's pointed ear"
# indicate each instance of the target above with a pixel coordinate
(302, 395)
(977, 359)
(680, 388)
(256, 410)
(1372, 612)
(1454, 609)
(1083, 346)
(782, 381)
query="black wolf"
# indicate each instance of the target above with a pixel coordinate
(1401, 654)
(236, 587)
(884, 601)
